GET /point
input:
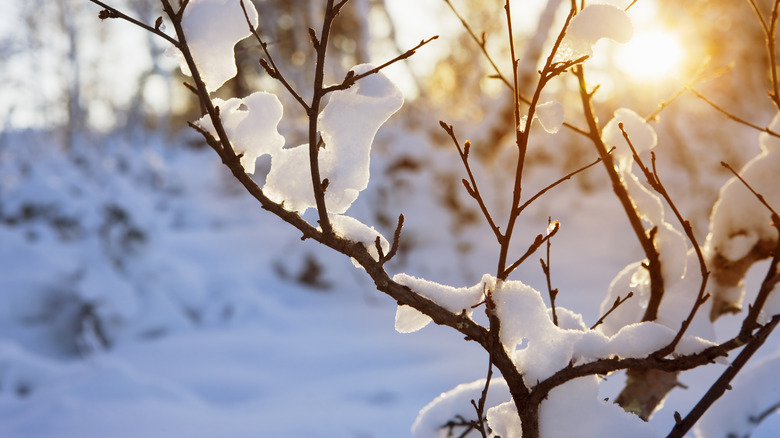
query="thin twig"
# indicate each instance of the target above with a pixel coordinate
(772, 277)
(531, 249)
(482, 43)
(272, 70)
(480, 407)
(655, 182)
(396, 241)
(114, 13)
(559, 181)
(471, 186)
(546, 269)
(351, 78)
(483, 46)
(732, 116)
(615, 305)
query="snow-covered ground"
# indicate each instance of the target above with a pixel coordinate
(193, 288)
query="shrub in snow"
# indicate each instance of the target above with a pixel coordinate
(550, 360)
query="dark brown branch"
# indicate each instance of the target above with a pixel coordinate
(114, 13)
(723, 383)
(549, 71)
(321, 48)
(679, 363)
(396, 242)
(532, 249)
(615, 305)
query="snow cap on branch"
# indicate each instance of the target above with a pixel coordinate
(251, 123)
(212, 28)
(551, 116)
(768, 141)
(456, 300)
(348, 125)
(642, 135)
(593, 23)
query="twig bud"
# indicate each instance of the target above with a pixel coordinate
(107, 13)
(313, 36)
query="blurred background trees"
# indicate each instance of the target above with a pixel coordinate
(79, 80)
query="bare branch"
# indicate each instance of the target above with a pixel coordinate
(472, 188)
(615, 305)
(351, 77)
(732, 116)
(532, 249)
(396, 241)
(556, 183)
(272, 70)
(110, 12)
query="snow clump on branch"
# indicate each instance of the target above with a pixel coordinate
(213, 28)
(590, 25)
(741, 230)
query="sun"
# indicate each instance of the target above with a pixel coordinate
(650, 55)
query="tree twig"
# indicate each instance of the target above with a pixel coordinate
(273, 69)
(615, 305)
(114, 13)
(471, 186)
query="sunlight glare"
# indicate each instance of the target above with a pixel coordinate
(650, 55)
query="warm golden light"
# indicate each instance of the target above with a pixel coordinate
(650, 55)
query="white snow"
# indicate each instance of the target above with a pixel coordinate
(738, 219)
(594, 22)
(454, 299)
(344, 160)
(642, 135)
(457, 401)
(251, 124)
(357, 231)
(212, 29)
(551, 116)
(768, 142)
